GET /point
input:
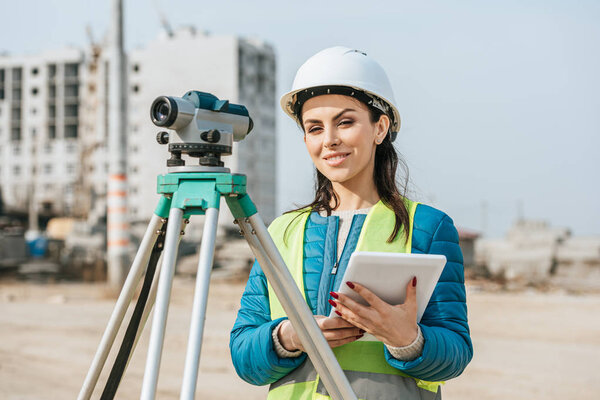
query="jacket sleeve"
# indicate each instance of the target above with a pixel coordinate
(251, 343)
(448, 348)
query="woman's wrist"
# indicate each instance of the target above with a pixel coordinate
(411, 351)
(406, 338)
(284, 345)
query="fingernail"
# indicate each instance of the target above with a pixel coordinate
(334, 295)
(333, 303)
(338, 313)
(350, 285)
(414, 282)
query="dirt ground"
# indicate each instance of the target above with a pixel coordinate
(528, 345)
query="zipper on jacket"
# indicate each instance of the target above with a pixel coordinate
(334, 270)
(335, 254)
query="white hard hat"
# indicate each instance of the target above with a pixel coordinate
(342, 70)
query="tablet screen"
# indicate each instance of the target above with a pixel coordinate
(388, 274)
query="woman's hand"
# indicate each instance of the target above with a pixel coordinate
(393, 325)
(336, 331)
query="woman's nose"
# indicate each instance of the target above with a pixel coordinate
(331, 138)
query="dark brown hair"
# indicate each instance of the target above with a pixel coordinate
(391, 193)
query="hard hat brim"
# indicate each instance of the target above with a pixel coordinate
(287, 102)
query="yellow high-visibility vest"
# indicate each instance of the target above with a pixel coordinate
(363, 361)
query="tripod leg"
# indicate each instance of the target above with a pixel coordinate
(294, 305)
(137, 269)
(152, 295)
(159, 320)
(127, 345)
(205, 263)
(149, 304)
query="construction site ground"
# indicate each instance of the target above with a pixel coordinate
(528, 344)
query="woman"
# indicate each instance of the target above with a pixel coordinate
(344, 104)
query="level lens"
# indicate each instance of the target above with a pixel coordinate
(163, 111)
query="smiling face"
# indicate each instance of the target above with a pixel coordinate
(341, 138)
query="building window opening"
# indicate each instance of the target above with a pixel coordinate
(1, 84)
(71, 90)
(15, 133)
(71, 110)
(16, 94)
(17, 74)
(52, 71)
(70, 131)
(16, 113)
(71, 70)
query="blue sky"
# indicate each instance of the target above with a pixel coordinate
(500, 100)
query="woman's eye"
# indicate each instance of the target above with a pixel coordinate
(314, 129)
(346, 122)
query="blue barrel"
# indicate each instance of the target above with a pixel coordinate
(38, 247)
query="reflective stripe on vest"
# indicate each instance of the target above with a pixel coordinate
(363, 361)
(304, 383)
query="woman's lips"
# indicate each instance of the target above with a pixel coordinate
(336, 159)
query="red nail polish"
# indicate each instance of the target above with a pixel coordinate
(338, 313)
(333, 303)
(350, 285)
(334, 295)
(414, 282)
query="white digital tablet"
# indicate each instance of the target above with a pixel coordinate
(388, 274)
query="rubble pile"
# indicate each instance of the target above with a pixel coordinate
(533, 252)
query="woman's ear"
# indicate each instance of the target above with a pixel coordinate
(381, 128)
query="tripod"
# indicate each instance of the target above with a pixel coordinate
(197, 191)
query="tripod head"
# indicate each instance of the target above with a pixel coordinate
(202, 126)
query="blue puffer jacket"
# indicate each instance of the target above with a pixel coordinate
(447, 349)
